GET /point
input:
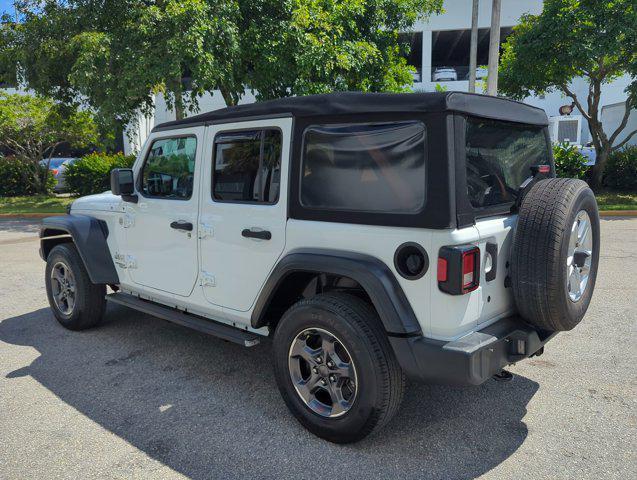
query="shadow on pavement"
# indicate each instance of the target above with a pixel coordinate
(207, 408)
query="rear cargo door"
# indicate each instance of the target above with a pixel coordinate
(496, 235)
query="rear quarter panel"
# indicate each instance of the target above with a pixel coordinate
(441, 316)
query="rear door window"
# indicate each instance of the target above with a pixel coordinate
(364, 167)
(247, 166)
(499, 157)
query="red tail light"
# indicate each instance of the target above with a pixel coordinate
(470, 269)
(442, 269)
(459, 269)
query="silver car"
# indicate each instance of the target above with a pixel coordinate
(445, 74)
(58, 165)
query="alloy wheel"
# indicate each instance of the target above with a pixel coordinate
(63, 287)
(323, 372)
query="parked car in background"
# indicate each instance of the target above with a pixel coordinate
(57, 167)
(445, 74)
(590, 154)
(481, 72)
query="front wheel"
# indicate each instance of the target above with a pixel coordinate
(76, 302)
(335, 368)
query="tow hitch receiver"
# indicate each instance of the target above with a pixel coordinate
(503, 376)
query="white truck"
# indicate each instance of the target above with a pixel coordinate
(370, 236)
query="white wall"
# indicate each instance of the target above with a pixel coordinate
(612, 116)
(457, 16)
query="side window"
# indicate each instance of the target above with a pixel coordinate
(169, 168)
(364, 167)
(247, 166)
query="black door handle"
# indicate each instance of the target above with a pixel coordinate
(181, 225)
(261, 234)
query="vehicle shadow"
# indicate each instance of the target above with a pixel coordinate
(210, 409)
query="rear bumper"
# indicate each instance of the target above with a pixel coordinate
(472, 359)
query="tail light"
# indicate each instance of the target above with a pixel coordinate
(459, 269)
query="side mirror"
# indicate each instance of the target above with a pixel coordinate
(123, 183)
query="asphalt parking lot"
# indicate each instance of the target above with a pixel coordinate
(142, 398)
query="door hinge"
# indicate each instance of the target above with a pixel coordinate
(205, 230)
(207, 280)
(125, 261)
(126, 221)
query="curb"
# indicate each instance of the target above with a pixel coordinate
(18, 216)
(618, 213)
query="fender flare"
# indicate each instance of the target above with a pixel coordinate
(89, 236)
(371, 273)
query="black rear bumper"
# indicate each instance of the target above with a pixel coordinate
(472, 359)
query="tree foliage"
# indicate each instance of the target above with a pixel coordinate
(594, 39)
(569, 161)
(32, 128)
(116, 54)
(92, 173)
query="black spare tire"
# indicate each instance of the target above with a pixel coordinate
(555, 253)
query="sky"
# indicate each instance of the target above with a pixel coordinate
(6, 6)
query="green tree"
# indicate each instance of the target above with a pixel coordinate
(593, 39)
(116, 54)
(300, 47)
(33, 127)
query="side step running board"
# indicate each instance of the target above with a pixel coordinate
(225, 332)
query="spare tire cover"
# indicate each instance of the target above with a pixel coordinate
(555, 253)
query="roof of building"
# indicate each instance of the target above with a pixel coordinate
(353, 103)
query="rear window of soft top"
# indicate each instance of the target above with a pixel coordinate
(499, 157)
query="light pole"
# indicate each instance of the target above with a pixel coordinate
(494, 49)
(473, 47)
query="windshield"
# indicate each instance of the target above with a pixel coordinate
(499, 158)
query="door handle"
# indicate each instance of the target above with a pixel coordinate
(260, 234)
(182, 225)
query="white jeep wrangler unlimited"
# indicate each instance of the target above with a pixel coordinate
(371, 236)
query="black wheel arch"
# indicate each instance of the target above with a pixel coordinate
(374, 277)
(89, 235)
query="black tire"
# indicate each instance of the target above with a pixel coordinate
(380, 380)
(89, 302)
(540, 251)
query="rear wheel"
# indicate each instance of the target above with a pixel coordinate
(335, 368)
(76, 302)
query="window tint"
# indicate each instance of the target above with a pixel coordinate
(169, 168)
(365, 167)
(248, 166)
(499, 158)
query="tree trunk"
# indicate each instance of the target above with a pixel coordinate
(473, 47)
(494, 49)
(598, 170)
(228, 96)
(177, 91)
(179, 106)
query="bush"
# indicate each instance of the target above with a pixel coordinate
(91, 174)
(569, 162)
(620, 172)
(16, 177)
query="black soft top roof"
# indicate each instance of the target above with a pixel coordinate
(352, 103)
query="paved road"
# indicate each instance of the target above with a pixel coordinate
(142, 398)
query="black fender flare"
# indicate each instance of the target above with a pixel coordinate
(89, 236)
(371, 273)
